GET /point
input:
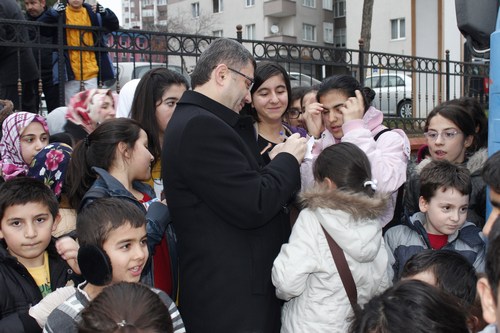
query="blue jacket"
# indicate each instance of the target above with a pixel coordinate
(108, 20)
(157, 216)
(403, 241)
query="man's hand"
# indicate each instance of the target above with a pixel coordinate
(60, 7)
(294, 145)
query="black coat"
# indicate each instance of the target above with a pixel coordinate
(19, 291)
(228, 214)
(9, 63)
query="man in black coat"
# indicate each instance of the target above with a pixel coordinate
(13, 68)
(226, 207)
(47, 36)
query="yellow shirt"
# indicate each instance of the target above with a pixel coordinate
(83, 63)
(41, 275)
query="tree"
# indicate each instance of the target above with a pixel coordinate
(366, 28)
(184, 23)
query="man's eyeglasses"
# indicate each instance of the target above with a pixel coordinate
(294, 113)
(445, 135)
(249, 85)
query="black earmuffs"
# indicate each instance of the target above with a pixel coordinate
(95, 265)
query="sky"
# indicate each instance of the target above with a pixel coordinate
(114, 5)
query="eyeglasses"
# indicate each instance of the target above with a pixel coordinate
(249, 85)
(294, 113)
(446, 134)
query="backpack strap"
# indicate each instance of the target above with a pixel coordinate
(380, 133)
(344, 270)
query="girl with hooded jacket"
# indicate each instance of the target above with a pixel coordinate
(343, 114)
(343, 204)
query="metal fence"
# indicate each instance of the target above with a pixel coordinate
(406, 87)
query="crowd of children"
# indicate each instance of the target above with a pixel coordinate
(114, 263)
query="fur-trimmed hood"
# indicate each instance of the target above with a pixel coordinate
(359, 205)
(474, 162)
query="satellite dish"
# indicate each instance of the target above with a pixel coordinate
(275, 29)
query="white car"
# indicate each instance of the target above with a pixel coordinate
(302, 80)
(127, 71)
(393, 93)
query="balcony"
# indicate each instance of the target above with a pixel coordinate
(280, 8)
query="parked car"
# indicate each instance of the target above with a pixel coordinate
(127, 71)
(302, 80)
(393, 93)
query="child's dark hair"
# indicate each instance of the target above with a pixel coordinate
(491, 172)
(98, 150)
(148, 94)
(347, 166)
(263, 72)
(126, 307)
(453, 273)
(345, 84)
(444, 175)
(24, 190)
(410, 306)
(492, 265)
(456, 114)
(97, 219)
(476, 111)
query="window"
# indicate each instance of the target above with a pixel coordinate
(308, 32)
(162, 2)
(398, 30)
(217, 33)
(147, 13)
(328, 32)
(195, 9)
(249, 3)
(339, 37)
(250, 31)
(218, 6)
(309, 3)
(339, 8)
(328, 4)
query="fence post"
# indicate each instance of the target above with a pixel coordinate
(361, 62)
(61, 64)
(239, 33)
(447, 75)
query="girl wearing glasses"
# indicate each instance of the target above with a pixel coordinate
(346, 116)
(450, 131)
(271, 96)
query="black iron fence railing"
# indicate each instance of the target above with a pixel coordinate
(407, 88)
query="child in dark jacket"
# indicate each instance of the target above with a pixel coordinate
(441, 222)
(31, 261)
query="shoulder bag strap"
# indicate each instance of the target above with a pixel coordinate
(343, 269)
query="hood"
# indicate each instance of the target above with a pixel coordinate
(373, 118)
(474, 162)
(358, 205)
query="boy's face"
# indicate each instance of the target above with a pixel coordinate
(27, 230)
(127, 249)
(75, 3)
(446, 211)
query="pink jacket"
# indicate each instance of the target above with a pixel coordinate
(388, 155)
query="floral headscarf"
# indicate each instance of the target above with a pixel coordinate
(50, 165)
(12, 163)
(84, 108)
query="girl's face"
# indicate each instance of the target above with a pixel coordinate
(443, 145)
(166, 106)
(140, 159)
(296, 122)
(333, 119)
(32, 140)
(106, 111)
(271, 99)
